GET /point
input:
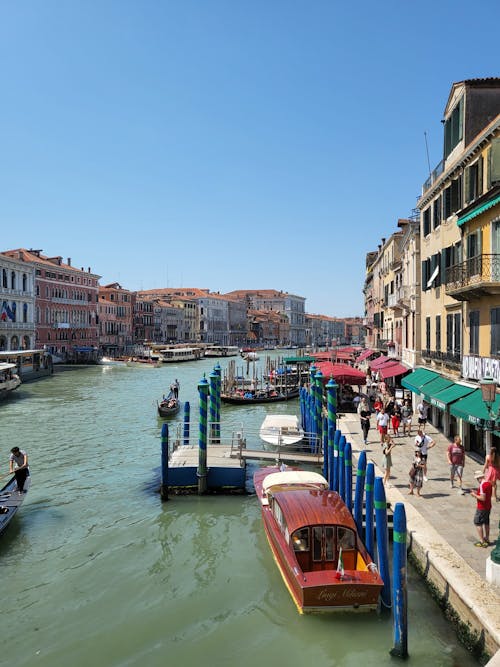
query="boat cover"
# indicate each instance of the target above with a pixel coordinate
(291, 477)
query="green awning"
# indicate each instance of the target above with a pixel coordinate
(478, 210)
(435, 386)
(299, 360)
(472, 409)
(443, 398)
(416, 380)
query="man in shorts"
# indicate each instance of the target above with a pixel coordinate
(406, 416)
(423, 443)
(422, 409)
(382, 423)
(483, 509)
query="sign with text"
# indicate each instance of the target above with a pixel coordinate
(477, 368)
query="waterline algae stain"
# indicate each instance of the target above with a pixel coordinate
(97, 570)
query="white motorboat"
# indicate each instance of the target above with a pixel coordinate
(9, 379)
(281, 430)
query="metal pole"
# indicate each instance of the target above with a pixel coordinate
(164, 462)
(400, 591)
(382, 541)
(202, 441)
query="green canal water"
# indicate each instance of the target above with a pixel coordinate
(96, 570)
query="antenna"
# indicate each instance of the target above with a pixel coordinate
(427, 151)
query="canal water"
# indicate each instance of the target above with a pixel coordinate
(96, 570)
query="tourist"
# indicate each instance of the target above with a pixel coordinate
(416, 474)
(364, 413)
(456, 458)
(377, 405)
(422, 409)
(396, 419)
(492, 470)
(382, 423)
(18, 464)
(483, 509)
(387, 446)
(424, 443)
(406, 416)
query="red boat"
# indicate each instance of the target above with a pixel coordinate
(314, 540)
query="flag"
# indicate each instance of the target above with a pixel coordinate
(340, 565)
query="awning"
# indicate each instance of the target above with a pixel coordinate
(392, 370)
(472, 409)
(365, 354)
(443, 398)
(379, 361)
(342, 373)
(478, 210)
(83, 349)
(418, 378)
(434, 386)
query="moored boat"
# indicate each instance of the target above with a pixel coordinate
(9, 379)
(254, 397)
(313, 538)
(281, 430)
(11, 500)
(169, 406)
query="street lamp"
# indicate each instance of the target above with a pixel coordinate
(489, 394)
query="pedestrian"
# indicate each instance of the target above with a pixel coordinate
(396, 419)
(382, 423)
(406, 416)
(456, 458)
(483, 509)
(492, 470)
(18, 464)
(364, 413)
(422, 409)
(377, 405)
(387, 446)
(416, 474)
(424, 442)
(175, 387)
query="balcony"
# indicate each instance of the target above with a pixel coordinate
(476, 277)
(451, 359)
(433, 177)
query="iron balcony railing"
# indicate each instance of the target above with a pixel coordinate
(433, 176)
(473, 271)
(451, 358)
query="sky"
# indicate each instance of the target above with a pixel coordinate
(227, 144)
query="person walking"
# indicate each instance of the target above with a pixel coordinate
(422, 409)
(492, 470)
(387, 446)
(416, 474)
(406, 417)
(18, 464)
(382, 423)
(423, 443)
(456, 458)
(364, 413)
(483, 509)
(396, 419)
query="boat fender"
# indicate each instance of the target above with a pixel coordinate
(373, 567)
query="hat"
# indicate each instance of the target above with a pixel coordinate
(478, 474)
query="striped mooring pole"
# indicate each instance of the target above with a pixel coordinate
(218, 370)
(213, 404)
(400, 590)
(202, 440)
(370, 483)
(164, 462)
(187, 410)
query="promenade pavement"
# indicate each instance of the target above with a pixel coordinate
(442, 519)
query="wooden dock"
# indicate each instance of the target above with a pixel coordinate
(284, 455)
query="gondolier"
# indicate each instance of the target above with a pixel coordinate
(18, 464)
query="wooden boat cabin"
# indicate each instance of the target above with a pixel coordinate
(315, 543)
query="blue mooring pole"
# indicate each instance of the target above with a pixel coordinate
(348, 475)
(318, 409)
(187, 409)
(303, 395)
(382, 541)
(336, 440)
(342, 442)
(202, 441)
(400, 591)
(325, 447)
(359, 492)
(164, 462)
(213, 405)
(218, 370)
(370, 483)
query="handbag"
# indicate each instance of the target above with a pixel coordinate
(412, 472)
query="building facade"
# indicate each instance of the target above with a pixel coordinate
(17, 301)
(115, 320)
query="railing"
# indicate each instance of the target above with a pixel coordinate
(23, 326)
(433, 177)
(451, 358)
(473, 271)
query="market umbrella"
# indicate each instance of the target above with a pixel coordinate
(341, 373)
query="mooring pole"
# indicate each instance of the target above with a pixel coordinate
(164, 462)
(325, 447)
(359, 492)
(370, 482)
(213, 404)
(318, 407)
(382, 541)
(348, 475)
(187, 409)
(202, 440)
(400, 590)
(218, 370)
(342, 442)
(312, 403)
(336, 440)
(329, 477)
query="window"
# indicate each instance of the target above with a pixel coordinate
(427, 333)
(453, 128)
(495, 332)
(473, 181)
(436, 212)
(457, 338)
(426, 227)
(300, 539)
(438, 333)
(13, 280)
(474, 332)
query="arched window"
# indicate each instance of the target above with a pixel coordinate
(25, 282)
(25, 312)
(14, 343)
(14, 308)
(26, 343)
(4, 278)
(13, 280)
(3, 343)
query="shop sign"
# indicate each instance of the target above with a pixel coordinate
(477, 368)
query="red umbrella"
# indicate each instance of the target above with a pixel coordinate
(341, 373)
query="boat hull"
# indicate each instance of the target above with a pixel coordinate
(11, 501)
(241, 400)
(166, 412)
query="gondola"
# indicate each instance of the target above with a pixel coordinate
(11, 500)
(169, 406)
(264, 397)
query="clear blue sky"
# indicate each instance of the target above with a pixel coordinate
(226, 144)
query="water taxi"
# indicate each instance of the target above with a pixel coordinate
(176, 354)
(314, 541)
(9, 379)
(222, 351)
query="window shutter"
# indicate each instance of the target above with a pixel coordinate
(494, 162)
(467, 185)
(480, 176)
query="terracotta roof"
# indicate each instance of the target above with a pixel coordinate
(36, 257)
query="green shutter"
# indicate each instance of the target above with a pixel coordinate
(494, 162)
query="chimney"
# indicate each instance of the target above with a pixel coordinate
(89, 269)
(383, 240)
(69, 261)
